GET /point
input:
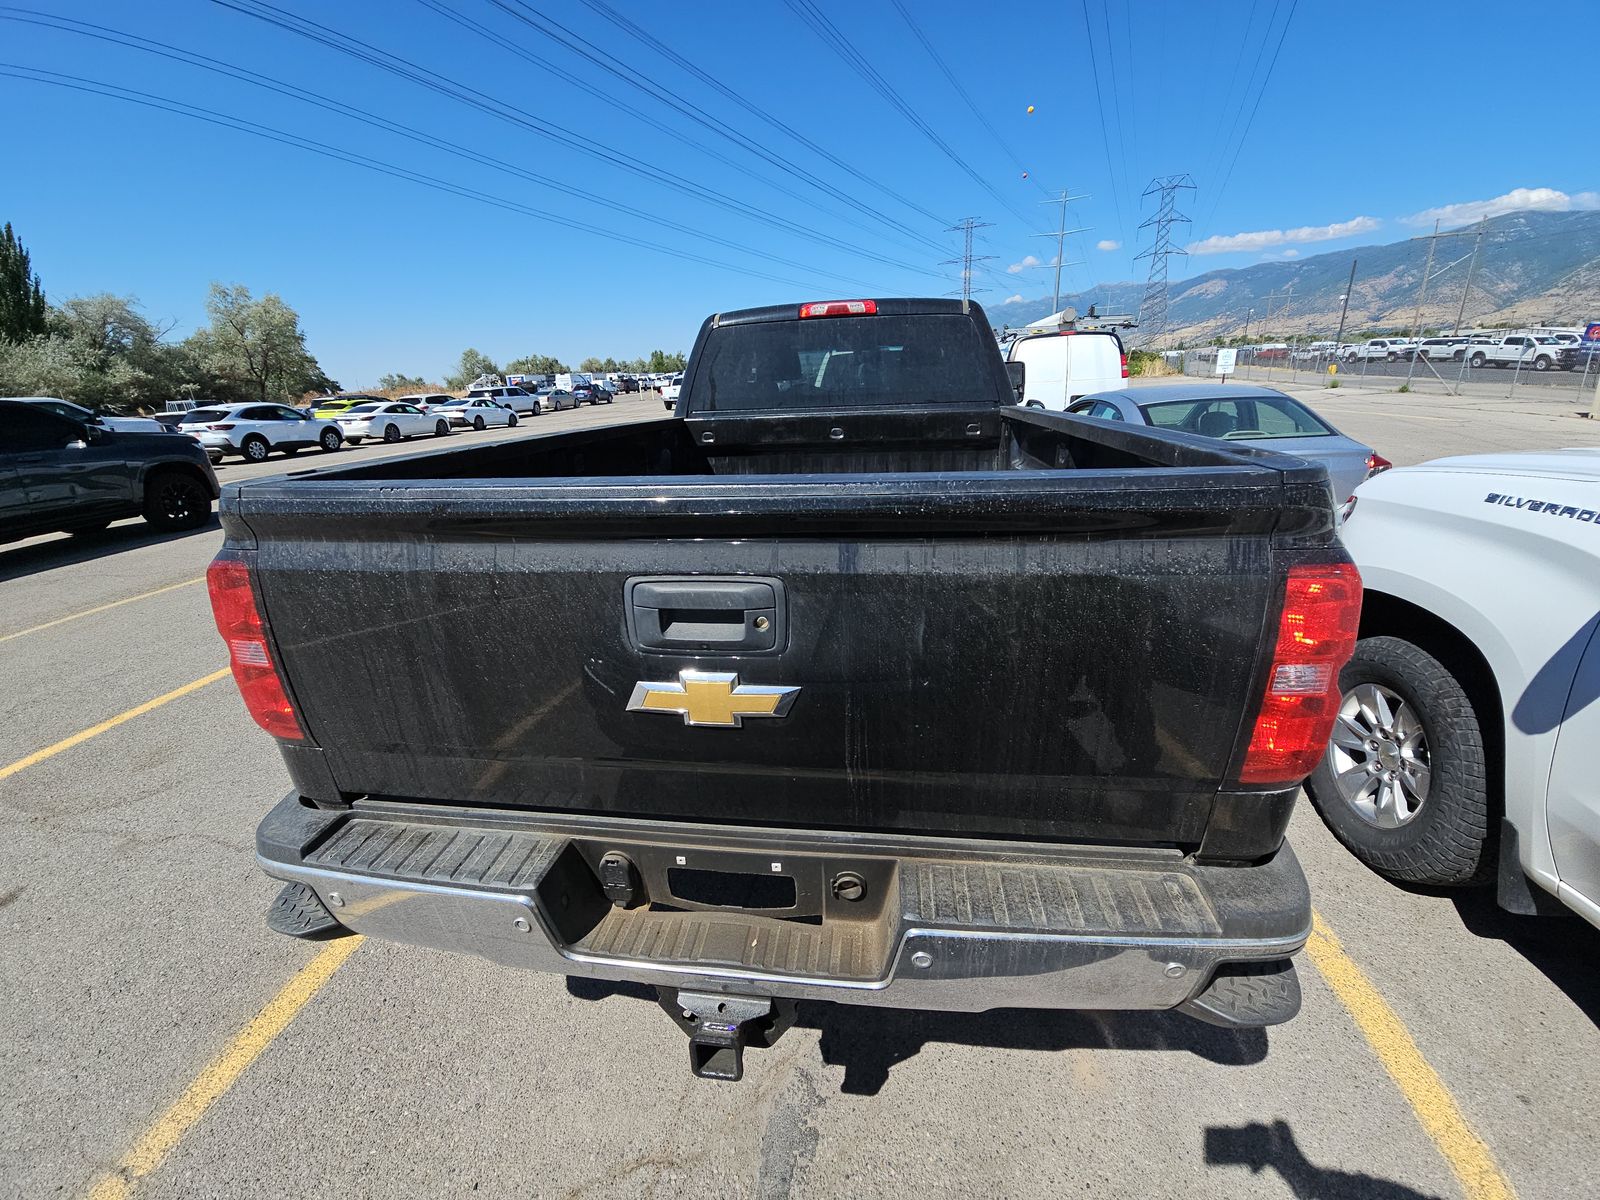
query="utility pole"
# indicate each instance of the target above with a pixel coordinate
(1060, 236)
(1153, 307)
(1344, 311)
(965, 227)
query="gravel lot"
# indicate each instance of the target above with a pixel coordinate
(134, 953)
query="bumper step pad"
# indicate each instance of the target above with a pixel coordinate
(1248, 995)
(298, 913)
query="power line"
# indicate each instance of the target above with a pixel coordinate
(955, 83)
(686, 63)
(965, 227)
(325, 150)
(1100, 108)
(541, 22)
(217, 66)
(825, 29)
(395, 65)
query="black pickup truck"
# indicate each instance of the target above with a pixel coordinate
(852, 681)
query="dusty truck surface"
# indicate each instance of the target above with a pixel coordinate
(852, 681)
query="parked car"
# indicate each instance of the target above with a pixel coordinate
(1584, 357)
(393, 421)
(426, 401)
(518, 400)
(846, 779)
(557, 399)
(1443, 347)
(330, 407)
(1539, 352)
(590, 394)
(627, 383)
(475, 411)
(1235, 412)
(1468, 738)
(253, 431)
(671, 388)
(1061, 367)
(604, 393)
(87, 416)
(1386, 349)
(60, 474)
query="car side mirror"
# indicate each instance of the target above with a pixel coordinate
(1017, 372)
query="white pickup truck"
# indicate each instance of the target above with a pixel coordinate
(1379, 349)
(1467, 745)
(1539, 351)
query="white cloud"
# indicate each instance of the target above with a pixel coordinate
(1280, 255)
(1107, 244)
(1017, 299)
(1516, 200)
(1265, 239)
(1017, 268)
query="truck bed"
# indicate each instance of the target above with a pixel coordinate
(1000, 622)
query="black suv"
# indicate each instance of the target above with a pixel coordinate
(59, 475)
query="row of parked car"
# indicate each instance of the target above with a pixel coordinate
(255, 431)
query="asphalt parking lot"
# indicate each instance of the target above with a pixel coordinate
(160, 1041)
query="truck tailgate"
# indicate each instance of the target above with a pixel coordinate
(1011, 654)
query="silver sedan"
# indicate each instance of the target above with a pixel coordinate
(1237, 412)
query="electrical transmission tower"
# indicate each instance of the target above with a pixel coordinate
(1060, 236)
(1153, 308)
(965, 227)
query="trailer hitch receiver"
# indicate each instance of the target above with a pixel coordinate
(720, 1027)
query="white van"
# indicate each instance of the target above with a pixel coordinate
(1067, 365)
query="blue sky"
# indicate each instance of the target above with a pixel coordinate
(1354, 132)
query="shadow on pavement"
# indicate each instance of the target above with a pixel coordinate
(1260, 1147)
(869, 1042)
(1561, 944)
(21, 561)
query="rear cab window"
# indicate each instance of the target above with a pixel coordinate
(843, 362)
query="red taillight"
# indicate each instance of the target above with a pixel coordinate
(1316, 635)
(219, 427)
(839, 308)
(1377, 462)
(233, 602)
(1124, 366)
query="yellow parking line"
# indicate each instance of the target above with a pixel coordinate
(77, 739)
(89, 612)
(222, 1072)
(1436, 1109)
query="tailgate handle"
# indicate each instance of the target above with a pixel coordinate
(700, 613)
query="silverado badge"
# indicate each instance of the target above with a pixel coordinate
(714, 698)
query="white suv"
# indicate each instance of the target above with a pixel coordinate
(254, 431)
(1467, 745)
(518, 400)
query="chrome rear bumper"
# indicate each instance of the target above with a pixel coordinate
(946, 925)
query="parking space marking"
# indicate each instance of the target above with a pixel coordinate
(77, 739)
(1436, 1109)
(89, 612)
(222, 1072)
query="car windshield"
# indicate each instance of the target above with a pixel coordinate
(362, 408)
(843, 362)
(196, 416)
(1237, 417)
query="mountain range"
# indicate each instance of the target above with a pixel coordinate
(1533, 268)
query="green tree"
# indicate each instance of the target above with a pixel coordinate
(97, 351)
(22, 308)
(472, 364)
(537, 364)
(405, 383)
(660, 361)
(255, 346)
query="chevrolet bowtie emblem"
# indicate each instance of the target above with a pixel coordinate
(715, 698)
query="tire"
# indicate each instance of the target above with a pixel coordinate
(440, 428)
(511, 421)
(216, 459)
(477, 423)
(1541, 364)
(538, 409)
(1390, 357)
(391, 433)
(174, 501)
(255, 448)
(1446, 841)
(1458, 356)
(330, 439)
(1477, 360)
(355, 441)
